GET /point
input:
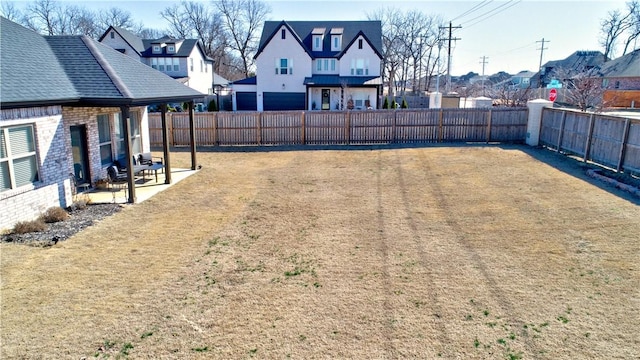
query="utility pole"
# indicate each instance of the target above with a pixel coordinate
(448, 88)
(542, 49)
(483, 62)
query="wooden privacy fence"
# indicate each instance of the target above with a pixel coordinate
(348, 127)
(606, 140)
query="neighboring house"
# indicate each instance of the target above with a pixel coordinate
(70, 106)
(182, 59)
(521, 80)
(578, 62)
(621, 81)
(314, 65)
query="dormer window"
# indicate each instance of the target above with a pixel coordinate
(336, 39)
(171, 49)
(157, 49)
(317, 35)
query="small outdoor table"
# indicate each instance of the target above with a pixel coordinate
(155, 167)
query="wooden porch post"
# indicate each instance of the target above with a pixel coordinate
(192, 134)
(165, 144)
(131, 181)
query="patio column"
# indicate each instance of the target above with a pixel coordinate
(165, 144)
(192, 135)
(131, 181)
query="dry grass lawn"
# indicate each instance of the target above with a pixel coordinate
(438, 252)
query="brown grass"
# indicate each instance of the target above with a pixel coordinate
(461, 252)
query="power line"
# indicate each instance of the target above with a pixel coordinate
(542, 49)
(449, 39)
(493, 12)
(483, 62)
(474, 8)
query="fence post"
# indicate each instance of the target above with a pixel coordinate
(172, 140)
(393, 129)
(561, 131)
(259, 125)
(440, 116)
(535, 120)
(215, 129)
(587, 146)
(625, 138)
(489, 127)
(347, 127)
(302, 132)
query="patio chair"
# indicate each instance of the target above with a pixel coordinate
(148, 159)
(116, 179)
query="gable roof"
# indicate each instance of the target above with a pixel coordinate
(130, 38)
(579, 60)
(41, 70)
(624, 66)
(304, 30)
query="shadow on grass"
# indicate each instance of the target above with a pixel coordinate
(566, 164)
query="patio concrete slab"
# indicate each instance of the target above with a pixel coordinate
(145, 188)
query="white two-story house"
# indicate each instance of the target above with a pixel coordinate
(314, 65)
(182, 59)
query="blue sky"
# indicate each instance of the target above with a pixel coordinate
(506, 32)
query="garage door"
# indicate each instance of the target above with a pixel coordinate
(246, 101)
(284, 101)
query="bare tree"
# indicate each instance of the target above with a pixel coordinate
(192, 19)
(618, 23)
(242, 20)
(391, 20)
(582, 88)
(9, 11)
(43, 16)
(116, 17)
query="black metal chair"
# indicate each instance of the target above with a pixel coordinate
(116, 179)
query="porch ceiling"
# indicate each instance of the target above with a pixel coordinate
(337, 80)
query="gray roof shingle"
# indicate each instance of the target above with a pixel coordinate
(624, 66)
(372, 30)
(56, 70)
(29, 69)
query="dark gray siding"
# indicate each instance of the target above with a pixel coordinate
(246, 101)
(284, 101)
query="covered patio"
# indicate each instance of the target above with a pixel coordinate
(145, 188)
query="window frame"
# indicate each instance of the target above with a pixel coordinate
(8, 159)
(105, 143)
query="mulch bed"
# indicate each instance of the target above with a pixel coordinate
(59, 231)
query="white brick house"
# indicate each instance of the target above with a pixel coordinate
(69, 107)
(182, 59)
(311, 65)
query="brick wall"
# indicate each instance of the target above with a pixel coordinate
(53, 189)
(55, 158)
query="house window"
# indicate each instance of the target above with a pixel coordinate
(360, 67)
(104, 136)
(18, 162)
(171, 49)
(156, 49)
(333, 64)
(154, 63)
(112, 35)
(319, 65)
(359, 43)
(336, 43)
(176, 64)
(190, 64)
(136, 138)
(283, 34)
(161, 64)
(284, 66)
